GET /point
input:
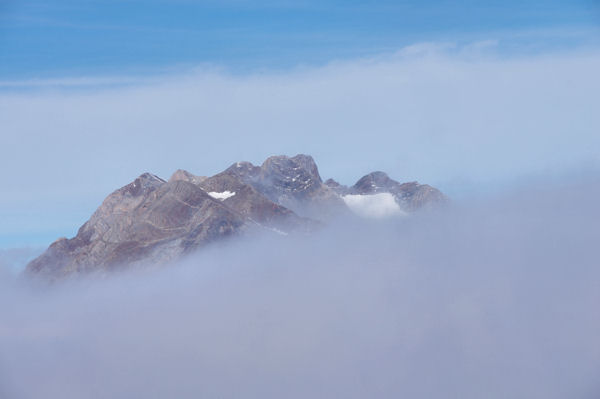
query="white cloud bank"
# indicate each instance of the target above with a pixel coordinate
(377, 206)
(460, 119)
(497, 300)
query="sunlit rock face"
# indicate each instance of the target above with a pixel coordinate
(154, 221)
(147, 219)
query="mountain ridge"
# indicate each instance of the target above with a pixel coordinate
(158, 221)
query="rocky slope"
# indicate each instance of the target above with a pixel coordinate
(294, 183)
(410, 196)
(154, 221)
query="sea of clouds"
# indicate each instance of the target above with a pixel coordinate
(493, 298)
(464, 118)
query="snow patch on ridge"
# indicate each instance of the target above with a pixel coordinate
(375, 206)
(221, 196)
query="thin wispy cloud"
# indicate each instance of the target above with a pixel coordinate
(43, 39)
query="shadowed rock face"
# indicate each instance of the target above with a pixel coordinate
(154, 221)
(410, 196)
(250, 203)
(338, 188)
(294, 183)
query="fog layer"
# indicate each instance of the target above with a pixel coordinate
(497, 299)
(463, 118)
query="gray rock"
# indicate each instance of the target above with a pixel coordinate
(292, 182)
(339, 189)
(151, 221)
(184, 175)
(410, 196)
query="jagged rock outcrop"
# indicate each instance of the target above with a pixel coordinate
(154, 221)
(184, 175)
(338, 188)
(410, 196)
(250, 203)
(292, 182)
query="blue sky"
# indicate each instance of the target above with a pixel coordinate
(468, 96)
(78, 37)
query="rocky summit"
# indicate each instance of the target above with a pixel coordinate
(151, 220)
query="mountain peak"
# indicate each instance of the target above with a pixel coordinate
(184, 175)
(152, 220)
(292, 167)
(245, 170)
(410, 196)
(372, 183)
(143, 183)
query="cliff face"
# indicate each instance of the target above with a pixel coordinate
(152, 220)
(294, 183)
(136, 220)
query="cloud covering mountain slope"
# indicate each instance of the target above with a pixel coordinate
(494, 299)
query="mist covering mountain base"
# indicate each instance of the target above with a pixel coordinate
(490, 299)
(158, 221)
